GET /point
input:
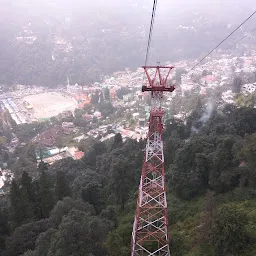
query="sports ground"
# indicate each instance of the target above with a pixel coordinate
(50, 104)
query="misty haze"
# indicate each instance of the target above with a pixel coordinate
(127, 127)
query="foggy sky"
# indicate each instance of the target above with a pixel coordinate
(95, 15)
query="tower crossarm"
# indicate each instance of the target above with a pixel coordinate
(158, 81)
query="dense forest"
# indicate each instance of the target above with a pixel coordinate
(86, 207)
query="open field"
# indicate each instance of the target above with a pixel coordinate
(50, 104)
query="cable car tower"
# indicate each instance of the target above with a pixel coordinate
(150, 234)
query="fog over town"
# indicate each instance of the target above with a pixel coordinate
(75, 127)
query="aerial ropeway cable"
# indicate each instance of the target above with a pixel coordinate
(238, 41)
(150, 30)
(222, 41)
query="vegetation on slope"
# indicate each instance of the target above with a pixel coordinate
(86, 207)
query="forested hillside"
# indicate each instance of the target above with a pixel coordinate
(86, 207)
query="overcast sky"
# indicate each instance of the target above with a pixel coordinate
(230, 10)
(117, 14)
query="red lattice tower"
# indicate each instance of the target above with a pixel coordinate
(150, 234)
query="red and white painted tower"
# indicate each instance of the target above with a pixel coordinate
(150, 234)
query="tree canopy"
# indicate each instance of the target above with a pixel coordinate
(86, 207)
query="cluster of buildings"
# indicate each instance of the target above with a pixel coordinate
(20, 111)
(62, 45)
(15, 112)
(26, 35)
(106, 132)
(52, 154)
(51, 148)
(49, 137)
(96, 114)
(219, 72)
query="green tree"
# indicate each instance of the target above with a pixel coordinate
(81, 233)
(98, 148)
(95, 98)
(21, 164)
(110, 213)
(222, 176)
(46, 194)
(230, 237)
(94, 120)
(91, 194)
(87, 108)
(244, 120)
(62, 208)
(107, 94)
(205, 230)
(179, 73)
(24, 237)
(30, 152)
(78, 113)
(26, 184)
(117, 140)
(246, 152)
(189, 175)
(237, 84)
(62, 188)
(43, 241)
(120, 180)
(249, 150)
(172, 143)
(106, 108)
(4, 230)
(20, 208)
(42, 166)
(30, 253)
(205, 72)
(114, 245)
(118, 240)
(243, 100)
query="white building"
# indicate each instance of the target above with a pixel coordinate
(250, 88)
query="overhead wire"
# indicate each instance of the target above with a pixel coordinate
(222, 41)
(150, 30)
(241, 38)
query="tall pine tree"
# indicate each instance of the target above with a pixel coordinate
(46, 195)
(37, 199)
(20, 210)
(4, 230)
(107, 94)
(62, 188)
(26, 184)
(118, 141)
(120, 180)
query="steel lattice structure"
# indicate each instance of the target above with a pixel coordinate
(150, 234)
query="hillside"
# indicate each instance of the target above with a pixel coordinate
(86, 207)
